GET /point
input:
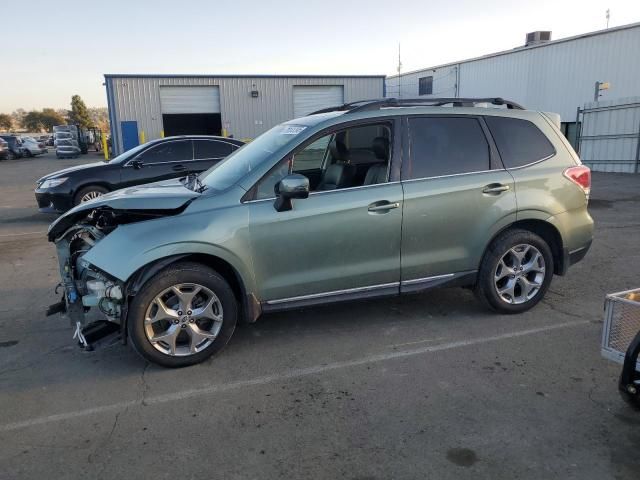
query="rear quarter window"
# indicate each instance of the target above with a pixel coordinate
(519, 141)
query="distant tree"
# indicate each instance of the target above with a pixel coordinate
(50, 118)
(6, 122)
(79, 114)
(32, 121)
(17, 116)
(64, 113)
(100, 118)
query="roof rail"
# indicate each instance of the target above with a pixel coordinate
(376, 104)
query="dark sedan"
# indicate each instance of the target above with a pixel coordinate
(169, 157)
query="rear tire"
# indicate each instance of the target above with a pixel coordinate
(192, 326)
(515, 272)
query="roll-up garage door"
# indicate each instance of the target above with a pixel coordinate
(190, 99)
(307, 99)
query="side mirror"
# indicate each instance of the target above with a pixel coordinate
(137, 164)
(290, 187)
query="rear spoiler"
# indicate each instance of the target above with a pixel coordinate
(553, 118)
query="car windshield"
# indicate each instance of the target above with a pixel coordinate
(247, 158)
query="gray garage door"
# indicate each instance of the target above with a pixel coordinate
(307, 99)
(190, 99)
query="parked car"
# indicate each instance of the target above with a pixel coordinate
(15, 146)
(353, 202)
(4, 149)
(67, 148)
(161, 159)
(31, 147)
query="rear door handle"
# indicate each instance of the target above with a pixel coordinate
(495, 188)
(383, 207)
(178, 168)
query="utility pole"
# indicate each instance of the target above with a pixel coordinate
(399, 70)
(608, 14)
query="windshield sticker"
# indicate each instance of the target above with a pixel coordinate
(292, 130)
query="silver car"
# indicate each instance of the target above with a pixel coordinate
(31, 147)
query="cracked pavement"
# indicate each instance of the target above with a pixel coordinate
(424, 386)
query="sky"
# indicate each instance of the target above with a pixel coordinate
(71, 44)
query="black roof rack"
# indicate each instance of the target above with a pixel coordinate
(377, 104)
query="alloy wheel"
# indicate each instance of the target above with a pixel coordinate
(519, 275)
(90, 196)
(183, 319)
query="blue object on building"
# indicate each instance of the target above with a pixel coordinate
(129, 134)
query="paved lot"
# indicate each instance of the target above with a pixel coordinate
(425, 386)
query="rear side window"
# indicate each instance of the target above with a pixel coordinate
(519, 142)
(204, 149)
(446, 146)
(168, 152)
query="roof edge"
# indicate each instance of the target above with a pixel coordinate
(523, 48)
(200, 75)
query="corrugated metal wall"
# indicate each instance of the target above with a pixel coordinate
(610, 135)
(138, 98)
(557, 77)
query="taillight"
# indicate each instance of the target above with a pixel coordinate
(581, 176)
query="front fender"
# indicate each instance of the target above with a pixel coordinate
(222, 233)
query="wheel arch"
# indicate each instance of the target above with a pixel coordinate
(544, 229)
(249, 306)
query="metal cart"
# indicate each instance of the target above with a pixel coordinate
(621, 340)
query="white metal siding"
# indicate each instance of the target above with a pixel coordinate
(555, 77)
(190, 99)
(311, 98)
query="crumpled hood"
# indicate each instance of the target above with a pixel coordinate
(64, 171)
(164, 196)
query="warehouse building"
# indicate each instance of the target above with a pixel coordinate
(555, 76)
(146, 107)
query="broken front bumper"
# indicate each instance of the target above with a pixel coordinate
(90, 297)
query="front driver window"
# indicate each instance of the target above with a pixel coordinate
(353, 157)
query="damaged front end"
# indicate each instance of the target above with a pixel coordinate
(94, 301)
(85, 287)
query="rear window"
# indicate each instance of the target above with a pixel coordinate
(519, 142)
(446, 146)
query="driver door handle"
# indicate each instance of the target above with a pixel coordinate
(495, 188)
(178, 168)
(383, 207)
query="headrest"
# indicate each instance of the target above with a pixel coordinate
(380, 147)
(339, 151)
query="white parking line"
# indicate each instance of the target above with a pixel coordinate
(276, 377)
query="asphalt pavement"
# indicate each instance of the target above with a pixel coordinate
(423, 386)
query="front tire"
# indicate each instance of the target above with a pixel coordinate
(515, 272)
(182, 316)
(89, 193)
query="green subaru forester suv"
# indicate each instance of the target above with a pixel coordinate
(367, 199)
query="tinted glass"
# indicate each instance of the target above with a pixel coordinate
(519, 142)
(204, 149)
(446, 146)
(168, 152)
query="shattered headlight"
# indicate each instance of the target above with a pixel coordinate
(53, 182)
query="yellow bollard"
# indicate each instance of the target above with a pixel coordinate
(224, 132)
(161, 133)
(105, 148)
(142, 139)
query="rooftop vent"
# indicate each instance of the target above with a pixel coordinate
(536, 38)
